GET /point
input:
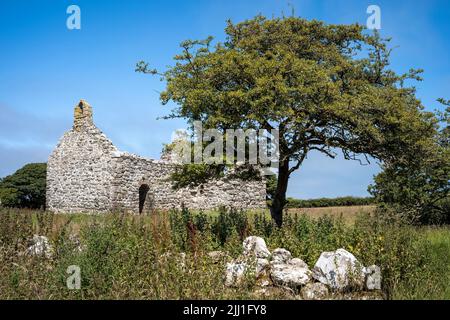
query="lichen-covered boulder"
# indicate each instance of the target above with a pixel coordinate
(256, 267)
(280, 255)
(262, 265)
(373, 277)
(234, 273)
(314, 291)
(298, 262)
(263, 272)
(293, 274)
(40, 247)
(255, 246)
(339, 270)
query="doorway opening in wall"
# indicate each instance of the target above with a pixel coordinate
(143, 191)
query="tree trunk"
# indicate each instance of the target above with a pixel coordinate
(279, 199)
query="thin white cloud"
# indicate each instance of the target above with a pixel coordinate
(25, 138)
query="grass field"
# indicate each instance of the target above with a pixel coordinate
(349, 214)
(122, 255)
(434, 282)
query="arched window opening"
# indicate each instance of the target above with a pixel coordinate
(143, 191)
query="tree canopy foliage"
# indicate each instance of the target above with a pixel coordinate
(418, 184)
(323, 87)
(25, 188)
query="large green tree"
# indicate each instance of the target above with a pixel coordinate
(25, 188)
(323, 87)
(418, 183)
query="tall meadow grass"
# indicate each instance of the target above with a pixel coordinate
(164, 255)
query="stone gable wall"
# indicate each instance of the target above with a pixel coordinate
(79, 172)
(86, 173)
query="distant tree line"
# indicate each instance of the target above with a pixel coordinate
(330, 202)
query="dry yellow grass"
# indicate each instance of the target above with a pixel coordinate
(348, 213)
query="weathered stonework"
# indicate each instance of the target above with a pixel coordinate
(87, 173)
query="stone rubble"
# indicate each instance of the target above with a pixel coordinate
(314, 291)
(281, 255)
(234, 273)
(339, 270)
(40, 247)
(290, 275)
(373, 277)
(262, 265)
(255, 246)
(334, 272)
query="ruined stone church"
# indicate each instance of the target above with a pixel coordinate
(87, 173)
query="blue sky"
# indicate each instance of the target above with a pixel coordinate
(46, 68)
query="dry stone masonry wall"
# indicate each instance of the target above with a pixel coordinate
(87, 173)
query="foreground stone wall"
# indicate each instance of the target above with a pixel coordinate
(86, 173)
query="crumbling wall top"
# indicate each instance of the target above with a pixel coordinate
(82, 116)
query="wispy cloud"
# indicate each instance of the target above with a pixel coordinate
(25, 138)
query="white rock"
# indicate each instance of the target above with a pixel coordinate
(235, 270)
(298, 262)
(255, 246)
(373, 277)
(261, 266)
(292, 275)
(280, 255)
(339, 270)
(314, 291)
(40, 246)
(234, 273)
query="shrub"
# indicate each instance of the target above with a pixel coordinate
(25, 188)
